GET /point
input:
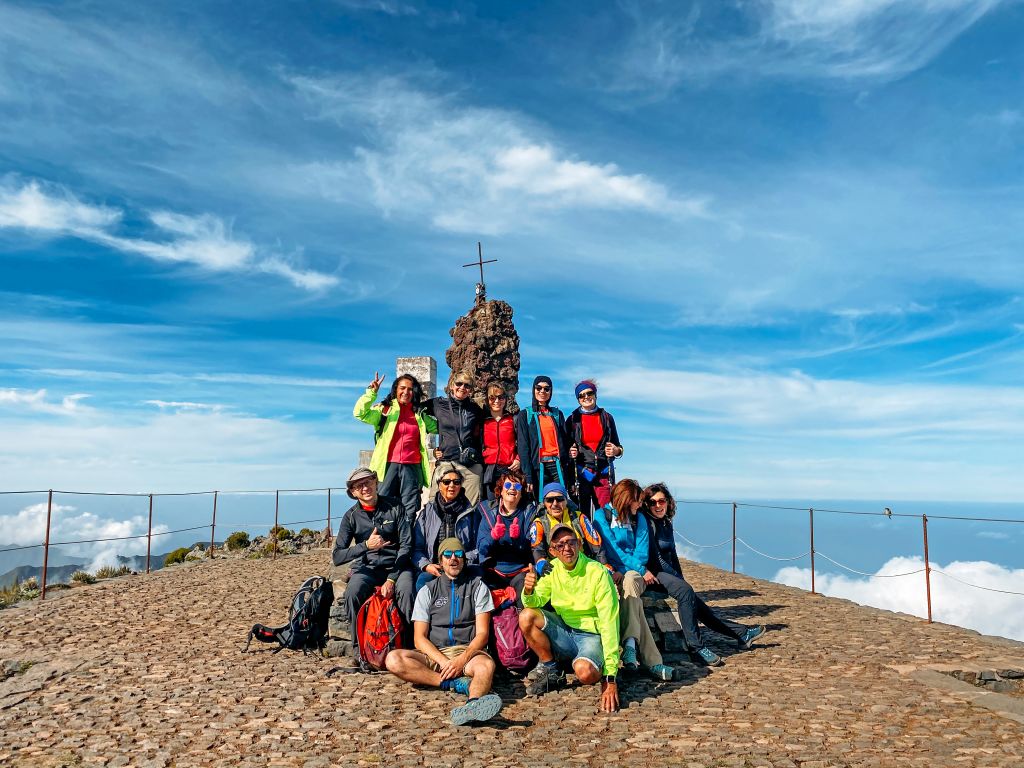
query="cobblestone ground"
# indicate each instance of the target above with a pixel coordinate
(147, 670)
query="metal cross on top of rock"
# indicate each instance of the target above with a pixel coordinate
(481, 288)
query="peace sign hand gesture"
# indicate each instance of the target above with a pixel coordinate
(377, 381)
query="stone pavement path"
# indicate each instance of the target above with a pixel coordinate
(147, 671)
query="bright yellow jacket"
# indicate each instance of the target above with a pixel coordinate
(366, 411)
(586, 599)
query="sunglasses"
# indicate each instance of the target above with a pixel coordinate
(462, 385)
(449, 553)
(542, 388)
(554, 499)
(450, 481)
(508, 485)
(566, 545)
(497, 397)
(586, 394)
(657, 502)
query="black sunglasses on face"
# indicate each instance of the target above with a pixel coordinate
(554, 499)
(586, 395)
(449, 553)
(450, 481)
(542, 388)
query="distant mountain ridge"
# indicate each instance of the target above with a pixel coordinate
(61, 574)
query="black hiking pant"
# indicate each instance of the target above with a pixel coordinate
(402, 481)
(692, 610)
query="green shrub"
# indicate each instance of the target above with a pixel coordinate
(270, 546)
(177, 556)
(83, 577)
(110, 572)
(280, 533)
(237, 540)
(307, 532)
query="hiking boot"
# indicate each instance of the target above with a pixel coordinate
(709, 657)
(661, 672)
(629, 661)
(460, 685)
(748, 637)
(480, 709)
(543, 679)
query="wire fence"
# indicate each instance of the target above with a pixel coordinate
(811, 553)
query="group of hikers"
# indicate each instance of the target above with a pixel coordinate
(527, 503)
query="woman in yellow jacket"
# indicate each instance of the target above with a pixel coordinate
(401, 428)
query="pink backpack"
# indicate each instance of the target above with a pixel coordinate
(507, 639)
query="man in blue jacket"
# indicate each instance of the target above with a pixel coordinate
(451, 626)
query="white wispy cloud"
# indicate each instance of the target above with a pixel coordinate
(802, 403)
(467, 169)
(39, 402)
(953, 602)
(184, 405)
(205, 240)
(68, 523)
(848, 40)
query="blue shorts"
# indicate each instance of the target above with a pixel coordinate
(569, 644)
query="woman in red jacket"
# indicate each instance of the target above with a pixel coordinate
(499, 438)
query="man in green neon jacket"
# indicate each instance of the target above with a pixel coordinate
(583, 628)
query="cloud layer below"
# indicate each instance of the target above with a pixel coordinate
(953, 602)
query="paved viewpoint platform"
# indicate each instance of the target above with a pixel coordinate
(147, 670)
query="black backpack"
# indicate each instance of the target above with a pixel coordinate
(307, 619)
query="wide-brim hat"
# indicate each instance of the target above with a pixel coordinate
(359, 473)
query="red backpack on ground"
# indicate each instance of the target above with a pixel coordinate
(379, 629)
(507, 639)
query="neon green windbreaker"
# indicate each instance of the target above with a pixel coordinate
(585, 598)
(366, 411)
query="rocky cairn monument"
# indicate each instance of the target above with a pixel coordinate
(485, 342)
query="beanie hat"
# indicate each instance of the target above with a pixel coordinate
(359, 473)
(451, 543)
(584, 385)
(553, 488)
(540, 380)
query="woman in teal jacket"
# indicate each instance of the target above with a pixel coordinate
(624, 538)
(401, 427)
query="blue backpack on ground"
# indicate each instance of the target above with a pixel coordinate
(307, 619)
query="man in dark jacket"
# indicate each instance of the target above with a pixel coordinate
(375, 535)
(594, 445)
(540, 439)
(459, 425)
(451, 626)
(448, 514)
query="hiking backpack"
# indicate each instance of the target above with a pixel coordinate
(378, 628)
(507, 639)
(307, 619)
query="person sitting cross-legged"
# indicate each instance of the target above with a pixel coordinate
(583, 626)
(451, 626)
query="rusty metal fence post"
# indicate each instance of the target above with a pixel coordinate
(149, 533)
(927, 568)
(46, 542)
(277, 504)
(329, 529)
(734, 537)
(213, 523)
(811, 510)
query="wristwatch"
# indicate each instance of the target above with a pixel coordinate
(610, 679)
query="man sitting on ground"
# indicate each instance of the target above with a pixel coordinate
(375, 535)
(451, 625)
(583, 628)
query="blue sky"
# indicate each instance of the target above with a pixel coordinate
(784, 235)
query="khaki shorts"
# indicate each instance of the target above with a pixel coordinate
(450, 653)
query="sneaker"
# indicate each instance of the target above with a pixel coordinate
(661, 672)
(480, 709)
(460, 685)
(543, 678)
(629, 661)
(709, 657)
(750, 636)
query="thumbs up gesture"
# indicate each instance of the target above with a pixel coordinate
(530, 581)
